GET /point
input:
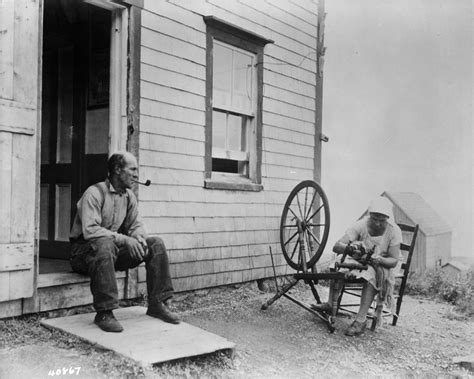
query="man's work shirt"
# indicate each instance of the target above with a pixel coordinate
(104, 212)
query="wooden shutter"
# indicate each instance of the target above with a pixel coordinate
(19, 75)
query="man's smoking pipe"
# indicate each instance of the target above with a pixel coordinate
(147, 183)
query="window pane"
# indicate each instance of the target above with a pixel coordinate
(47, 105)
(234, 133)
(222, 75)
(218, 129)
(242, 83)
(65, 104)
(97, 131)
(44, 211)
(63, 212)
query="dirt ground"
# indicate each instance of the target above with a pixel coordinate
(283, 341)
(288, 341)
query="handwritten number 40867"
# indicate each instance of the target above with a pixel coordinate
(64, 371)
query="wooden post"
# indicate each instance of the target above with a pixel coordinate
(133, 117)
(320, 50)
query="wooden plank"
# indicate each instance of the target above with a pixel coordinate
(295, 15)
(21, 284)
(279, 107)
(173, 46)
(288, 123)
(248, 18)
(26, 56)
(16, 256)
(16, 117)
(4, 286)
(168, 144)
(172, 27)
(172, 63)
(10, 308)
(62, 278)
(176, 12)
(287, 96)
(274, 21)
(145, 339)
(171, 112)
(289, 83)
(170, 95)
(6, 146)
(71, 295)
(6, 52)
(289, 148)
(23, 189)
(176, 80)
(170, 129)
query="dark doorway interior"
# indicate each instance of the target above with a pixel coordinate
(75, 115)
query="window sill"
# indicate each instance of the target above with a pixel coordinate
(231, 182)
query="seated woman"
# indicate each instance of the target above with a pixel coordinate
(379, 233)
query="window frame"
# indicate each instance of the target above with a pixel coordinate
(230, 34)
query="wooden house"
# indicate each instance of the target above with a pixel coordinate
(219, 100)
(433, 243)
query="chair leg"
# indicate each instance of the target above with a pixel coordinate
(394, 320)
(397, 310)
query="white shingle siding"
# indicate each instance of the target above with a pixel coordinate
(217, 237)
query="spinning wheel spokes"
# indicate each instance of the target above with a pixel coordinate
(306, 212)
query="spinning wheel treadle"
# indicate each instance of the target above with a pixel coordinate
(304, 225)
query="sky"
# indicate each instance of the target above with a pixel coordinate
(397, 108)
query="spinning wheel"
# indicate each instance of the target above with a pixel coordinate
(304, 225)
(304, 230)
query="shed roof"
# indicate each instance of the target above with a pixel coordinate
(419, 211)
(456, 264)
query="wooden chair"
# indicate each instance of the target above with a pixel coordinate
(354, 287)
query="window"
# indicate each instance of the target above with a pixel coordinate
(233, 107)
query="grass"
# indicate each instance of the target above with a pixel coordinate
(437, 284)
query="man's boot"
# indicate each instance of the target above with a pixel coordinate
(163, 313)
(107, 322)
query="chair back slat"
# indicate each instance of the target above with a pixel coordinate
(411, 248)
(404, 246)
(407, 228)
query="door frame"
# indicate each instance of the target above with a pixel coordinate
(124, 125)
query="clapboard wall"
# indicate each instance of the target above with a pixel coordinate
(217, 237)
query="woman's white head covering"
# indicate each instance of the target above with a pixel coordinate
(383, 206)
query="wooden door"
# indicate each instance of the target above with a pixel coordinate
(58, 173)
(74, 107)
(19, 41)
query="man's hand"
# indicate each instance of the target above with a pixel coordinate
(135, 248)
(144, 244)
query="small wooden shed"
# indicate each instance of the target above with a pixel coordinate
(433, 246)
(455, 269)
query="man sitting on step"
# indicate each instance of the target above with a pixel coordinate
(379, 234)
(107, 235)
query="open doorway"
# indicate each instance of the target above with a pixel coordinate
(75, 117)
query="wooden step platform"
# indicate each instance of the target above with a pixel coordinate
(145, 339)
